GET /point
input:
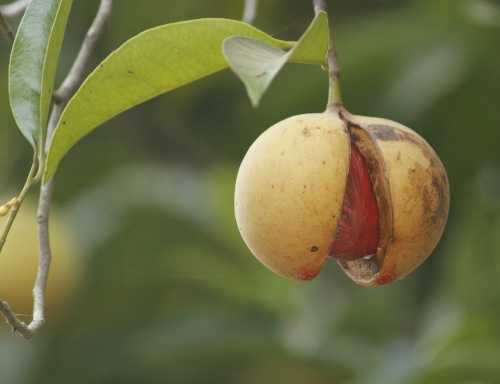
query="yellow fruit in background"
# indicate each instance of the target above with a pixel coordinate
(19, 262)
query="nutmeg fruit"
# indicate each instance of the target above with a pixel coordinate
(367, 192)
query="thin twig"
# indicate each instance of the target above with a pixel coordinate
(64, 93)
(335, 97)
(11, 318)
(73, 79)
(77, 71)
(250, 11)
(45, 255)
(14, 9)
(14, 205)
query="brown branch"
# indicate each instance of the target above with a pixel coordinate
(67, 89)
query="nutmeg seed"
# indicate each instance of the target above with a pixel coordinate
(368, 192)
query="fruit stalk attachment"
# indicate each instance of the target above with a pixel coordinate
(334, 92)
(367, 192)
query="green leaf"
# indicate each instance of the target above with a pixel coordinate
(152, 63)
(257, 63)
(33, 65)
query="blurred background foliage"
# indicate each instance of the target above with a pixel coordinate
(152, 282)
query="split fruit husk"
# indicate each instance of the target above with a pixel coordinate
(302, 195)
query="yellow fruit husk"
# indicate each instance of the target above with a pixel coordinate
(289, 193)
(419, 193)
(291, 185)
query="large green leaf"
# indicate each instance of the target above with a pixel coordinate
(257, 63)
(33, 65)
(154, 62)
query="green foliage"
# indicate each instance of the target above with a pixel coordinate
(155, 62)
(170, 288)
(33, 65)
(257, 63)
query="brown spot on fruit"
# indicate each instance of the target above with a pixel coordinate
(385, 278)
(314, 248)
(387, 133)
(440, 183)
(387, 274)
(440, 192)
(307, 273)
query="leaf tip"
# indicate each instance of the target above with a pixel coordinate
(254, 100)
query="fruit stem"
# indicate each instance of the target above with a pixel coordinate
(334, 94)
(12, 207)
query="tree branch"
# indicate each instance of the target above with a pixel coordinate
(68, 87)
(77, 71)
(16, 324)
(250, 11)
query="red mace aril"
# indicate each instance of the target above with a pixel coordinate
(368, 192)
(357, 232)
